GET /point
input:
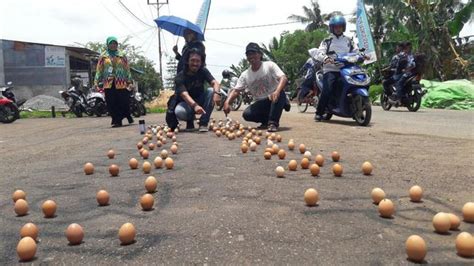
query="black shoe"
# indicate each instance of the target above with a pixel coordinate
(130, 119)
(263, 126)
(318, 118)
(190, 126)
(272, 128)
(287, 106)
(117, 125)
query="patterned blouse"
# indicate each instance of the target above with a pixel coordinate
(113, 68)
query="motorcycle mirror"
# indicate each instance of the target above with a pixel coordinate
(362, 49)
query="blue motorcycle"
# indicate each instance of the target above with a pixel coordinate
(352, 97)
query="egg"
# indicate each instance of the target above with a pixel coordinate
(269, 143)
(158, 162)
(335, 156)
(49, 208)
(145, 140)
(258, 140)
(279, 138)
(267, 155)
(302, 148)
(305, 163)
(174, 149)
(159, 143)
(26, 249)
(314, 169)
(377, 195)
(281, 154)
(169, 163)
(386, 208)
(173, 139)
(18, 194)
(280, 171)
(141, 151)
(441, 222)
(145, 154)
(291, 145)
(147, 201)
(337, 169)
(29, 229)
(275, 149)
(127, 234)
(415, 193)
(307, 154)
(273, 136)
(74, 234)
(151, 184)
(367, 168)
(163, 141)
(465, 245)
(114, 170)
(454, 221)
(292, 165)
(88, 168)
(244, 148)
(133, 163)
(468, 212)
(111, 154)
(21, 207)
(151, 146)
(146, 167)
(259, 133)
(164, 154)
(102, 197)
(253, 146)
(270, 150)
(415, 247)
(139, 145)
(311, 197)
(319, 160)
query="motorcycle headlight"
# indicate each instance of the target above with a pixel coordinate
(358, 79)
(138, 97)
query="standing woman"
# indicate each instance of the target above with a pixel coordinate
(191, 42)
(113, 73)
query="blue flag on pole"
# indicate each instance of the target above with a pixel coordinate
(364, 35)
(201, 20)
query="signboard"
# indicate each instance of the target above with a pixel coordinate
(364, 35)
(54, 56)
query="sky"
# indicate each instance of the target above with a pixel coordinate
(68, 22)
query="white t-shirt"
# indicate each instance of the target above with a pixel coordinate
(260, 83)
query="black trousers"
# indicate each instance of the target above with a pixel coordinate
(331, 83)
(118, 104)
(265, 111)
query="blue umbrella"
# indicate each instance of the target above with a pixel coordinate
(177, 25)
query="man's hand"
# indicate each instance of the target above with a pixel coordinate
(199, 110)
(329, 60)
(217, 99)
(226, 107)
(274, 96)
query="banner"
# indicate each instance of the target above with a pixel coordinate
(201, 20)
(54, 56)
(364, 35)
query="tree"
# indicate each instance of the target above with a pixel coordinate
(237, 70)
(312, 17)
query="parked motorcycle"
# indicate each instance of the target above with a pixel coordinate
(224, 93)
(246, 97)
(96, 102)
(413, 93)
(9, 107)
(76, 101)
(137, 104)
(353, 100)
(303, 98)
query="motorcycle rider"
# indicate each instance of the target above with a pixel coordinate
(340, 44)
(396, 66)
(228, 80)
(309, 78)
(407, 73)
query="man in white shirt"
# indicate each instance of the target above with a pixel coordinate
(266, 82)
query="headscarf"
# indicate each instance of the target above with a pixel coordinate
(108, 41)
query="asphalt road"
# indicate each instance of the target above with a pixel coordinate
(221, 206)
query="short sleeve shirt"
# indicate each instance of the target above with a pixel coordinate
(192, 83)
(260, 83)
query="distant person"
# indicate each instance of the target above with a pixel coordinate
(191, 42)
(113, 74)
(407, 73)
(396, 66)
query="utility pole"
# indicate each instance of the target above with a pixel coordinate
(158, 5)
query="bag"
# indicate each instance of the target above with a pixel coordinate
(171, 119)
(420, 63)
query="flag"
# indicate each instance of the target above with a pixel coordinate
(201, 20)
(364, 35)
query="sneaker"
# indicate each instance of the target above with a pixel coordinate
(263, 126)
(272, 128)
(203, 128)
(318, 118)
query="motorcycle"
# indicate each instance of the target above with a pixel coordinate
(137, 104)
(413, 93)
(353, 100)
(76, 101)
(311, 97)
(96, 102)
(224, 93)
(246, 97)
(9, 107)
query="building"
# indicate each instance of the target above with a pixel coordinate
(38, 68)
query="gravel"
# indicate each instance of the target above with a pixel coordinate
(44, 103)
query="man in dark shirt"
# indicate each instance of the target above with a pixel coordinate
(192, 97)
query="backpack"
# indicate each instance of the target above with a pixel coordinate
(420, 63)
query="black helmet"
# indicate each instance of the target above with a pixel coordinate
(226, 74)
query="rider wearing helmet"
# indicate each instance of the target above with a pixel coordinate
(228, 81)
(340, 44)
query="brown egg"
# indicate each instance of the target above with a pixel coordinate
(244, 148)
(304, 163)
(377, 195)
(147, 201)
(26, 249)
(164, 154)
(21, 207)
(454, 221)
(111, 154)
(337, 169)
(386, 208)
(174, 149)
(275, 149)
(127, 234)
(259, 133)
(18, 194)
(145, 154)
(302, 148)
(307, 154)
(169, 163)
(88, 168)
(74, 234)
(139, 145)
(415, 193)
(267, 155)
(468, 212)
(218, 133)
(49, 208)
(465, 245)
(335, 156)
(273, 136)
(102, 197)
(146, 167)
(158, 162)
(114, 170)
(311, 197)
(145, 140)
(279, 138)
(441, 222)
(280, 171)
(173, 139)
(151, 184)
(159, 144)
(133, 163)
(151, 146)
(319, 160)
(141, 151)
(253, 146)
(258, 140)
(314, 169)
(291, 145)
(292, 165)
(367, 168)
(29, 229)
(415, 247)
(281, 154)
(270, 150)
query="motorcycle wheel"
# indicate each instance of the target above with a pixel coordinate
(9, 113)
(237, 103)
(135, 110)
(363, 119)
(142, 109)
(384, 102)
(76, 109)
(302, 106)
(221, 105)
(415, 101)
(100, 109)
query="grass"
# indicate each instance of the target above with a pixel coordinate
(156, 110)
(42, 114)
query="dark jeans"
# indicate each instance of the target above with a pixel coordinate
(118, 104)
(331, 83)
(265, 111)
(400, 85)
(184, 112)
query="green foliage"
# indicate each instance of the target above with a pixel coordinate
(237, 70)
(460, 19)
(374, 92)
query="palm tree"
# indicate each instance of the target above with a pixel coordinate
(237, 70)
(312, 16)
